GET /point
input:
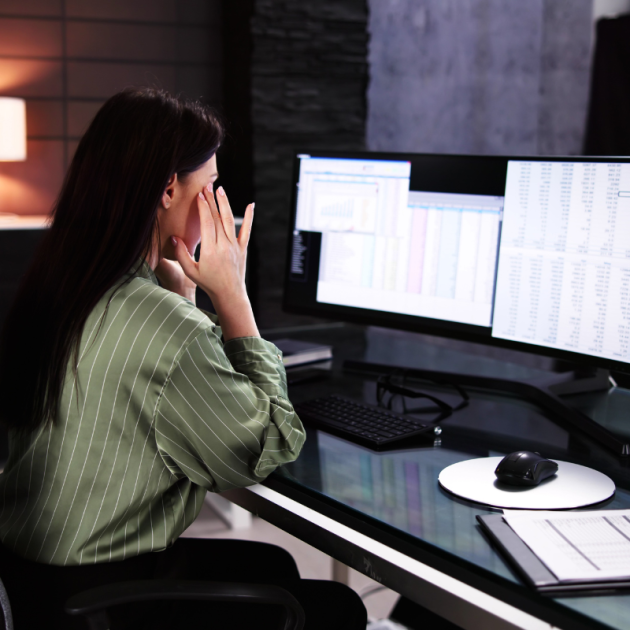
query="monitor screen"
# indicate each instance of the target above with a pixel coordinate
(525, 253)
(564, 260)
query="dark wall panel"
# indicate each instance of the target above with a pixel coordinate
(31, 78)
(40, 8)
(308, 84)
(136, 10)
(31, 38)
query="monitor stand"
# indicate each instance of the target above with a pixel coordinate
(577, 381)
(544, 392)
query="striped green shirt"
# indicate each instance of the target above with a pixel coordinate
(161, 411)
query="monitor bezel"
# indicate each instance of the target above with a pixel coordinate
(425, 325)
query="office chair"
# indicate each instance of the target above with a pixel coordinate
(93, 603)
(6, 608)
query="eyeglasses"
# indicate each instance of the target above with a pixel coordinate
(390, 386)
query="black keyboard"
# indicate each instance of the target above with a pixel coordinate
(365, 424)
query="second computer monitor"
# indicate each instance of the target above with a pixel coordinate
(528, 253)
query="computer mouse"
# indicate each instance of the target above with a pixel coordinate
(524, 468)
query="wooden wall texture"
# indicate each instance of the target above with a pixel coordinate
(66, 57)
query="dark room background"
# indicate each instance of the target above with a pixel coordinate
(481, 76)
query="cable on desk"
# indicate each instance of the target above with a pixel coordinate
(395, 384)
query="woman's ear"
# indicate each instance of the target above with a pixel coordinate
(169, 192)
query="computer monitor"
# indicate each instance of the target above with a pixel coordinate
(527, 253)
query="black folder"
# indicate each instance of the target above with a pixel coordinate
(532, 570)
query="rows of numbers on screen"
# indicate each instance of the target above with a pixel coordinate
(385, 247)
(564, 264)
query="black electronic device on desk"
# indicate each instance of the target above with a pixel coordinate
(523, 253)
(524, 468)
(371, 426)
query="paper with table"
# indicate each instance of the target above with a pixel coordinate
(577, 546)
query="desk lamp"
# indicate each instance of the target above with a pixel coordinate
(12, 131)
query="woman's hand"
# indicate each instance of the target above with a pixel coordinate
(220, 271)
(172, 277)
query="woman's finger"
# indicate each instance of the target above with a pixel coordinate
(187, 262)
(246, 227)
(208, 195)
(206, 220)
(227, 218)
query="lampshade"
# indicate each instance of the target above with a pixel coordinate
(12, 129)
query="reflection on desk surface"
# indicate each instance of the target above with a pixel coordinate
(401, 489)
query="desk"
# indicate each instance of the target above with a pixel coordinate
(385, 515)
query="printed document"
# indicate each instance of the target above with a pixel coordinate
(577, 546)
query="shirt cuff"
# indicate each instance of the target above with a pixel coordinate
(261, 361)
(211, 316)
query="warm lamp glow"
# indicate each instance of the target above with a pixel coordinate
(12, 129)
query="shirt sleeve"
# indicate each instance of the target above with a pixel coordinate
(224, 419)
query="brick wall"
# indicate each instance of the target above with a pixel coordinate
(309, 76)
(66, 57)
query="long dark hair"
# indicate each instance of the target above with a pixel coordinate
(104, 222)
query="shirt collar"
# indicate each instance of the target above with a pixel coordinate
(142, 270)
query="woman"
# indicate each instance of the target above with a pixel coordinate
(125, 402)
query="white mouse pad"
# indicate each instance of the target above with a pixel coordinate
(573, 486)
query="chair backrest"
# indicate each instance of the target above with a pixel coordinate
(6, 608)
(93, 603)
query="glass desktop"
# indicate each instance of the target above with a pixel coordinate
(529, 254)
(397, 494)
